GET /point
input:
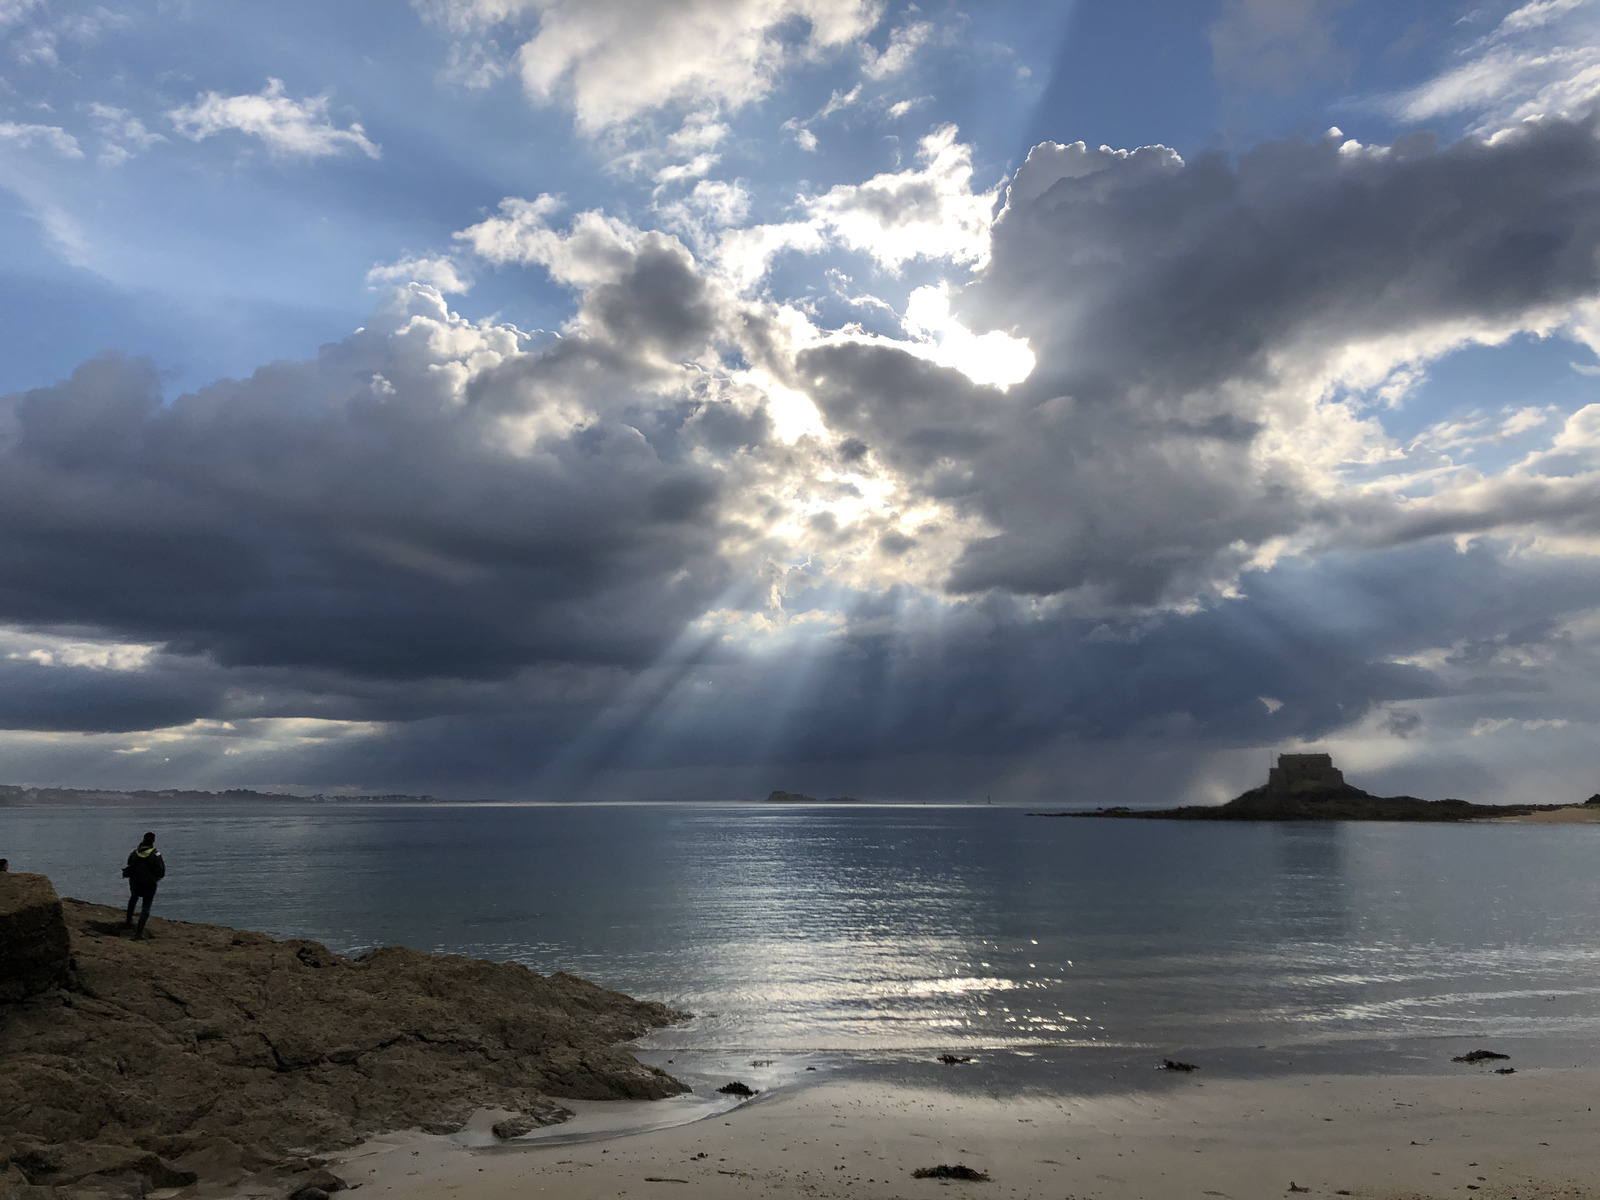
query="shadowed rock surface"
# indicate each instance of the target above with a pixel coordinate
(215, 1052)
(34, 950)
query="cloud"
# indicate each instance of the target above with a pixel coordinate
(1542, 60)
(293, 128)
(122, 134)
(929, 212)
(475, 511)
(39, 44)
(1202, 330)
(903, 45)
(1121, 477)
(995, 358)
(12, 11)
(439, 272)
(54, 682)
(53, 136)
(801, 129)
(1189, 347)
(712, 206)
(1493, 725)
(612, 61)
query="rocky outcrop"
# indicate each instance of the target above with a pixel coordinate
(34, 950)
(221, 1053)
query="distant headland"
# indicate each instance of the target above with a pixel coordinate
(11, 795)
(1308, 787)
(777, 797)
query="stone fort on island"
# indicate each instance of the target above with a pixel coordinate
(1297, 773)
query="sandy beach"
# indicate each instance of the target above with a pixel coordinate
(1527, 1135)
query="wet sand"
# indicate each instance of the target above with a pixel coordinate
(1528, 1135)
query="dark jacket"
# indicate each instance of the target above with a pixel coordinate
(144, 870)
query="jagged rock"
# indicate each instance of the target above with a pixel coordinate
(737, 1089)
(34, 946)
(221, 1053)
(101, 1163)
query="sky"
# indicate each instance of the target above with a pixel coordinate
(679, 399)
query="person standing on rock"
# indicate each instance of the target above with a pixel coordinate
(145, 869)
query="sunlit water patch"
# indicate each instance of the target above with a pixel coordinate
(802, 930)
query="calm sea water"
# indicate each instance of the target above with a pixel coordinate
(899, 930)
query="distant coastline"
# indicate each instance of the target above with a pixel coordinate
(1308, 787)
(15, 796)
(779, 797)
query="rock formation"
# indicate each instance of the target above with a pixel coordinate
(34, 950)
(211, 1052)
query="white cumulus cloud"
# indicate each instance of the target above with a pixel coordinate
(614, 60)
(298, 128)
(439, 272)
(929, 212)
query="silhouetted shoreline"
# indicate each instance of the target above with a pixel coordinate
(780, 797)
(1360, 806)
(12, 795)
(1308, 787)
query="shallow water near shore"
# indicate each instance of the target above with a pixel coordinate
(875, 938)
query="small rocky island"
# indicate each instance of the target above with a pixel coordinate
(216, 1056)
(1308, 787)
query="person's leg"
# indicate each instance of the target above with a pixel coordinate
(133, 898)
(144, 913)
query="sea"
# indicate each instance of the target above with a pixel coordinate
(1051, 952)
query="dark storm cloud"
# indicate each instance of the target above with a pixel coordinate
(354, 514)
(1190, 276)
(915, 414)
(660, 301)
(83, 699)
(1180, 312)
